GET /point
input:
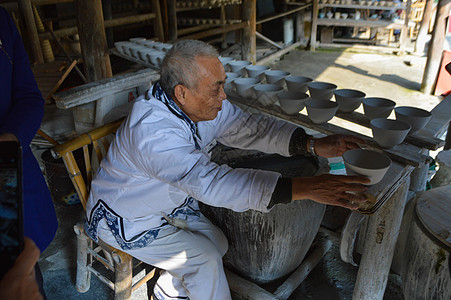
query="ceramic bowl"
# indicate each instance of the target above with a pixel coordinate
(320, 110)
(365, 162)
(120, 46)
(375, 107)
(134, 50)
(238, 66)
(415, 117)
(389, 133)
(256, 71)
(225, 62)
(292, 102)
(137, 39)
(156, 57)
(297, 83)
(321, 90)
(143, 54)
(127, 46)
(348, 100)
(244, 86)
(266, 93)
(276, 76)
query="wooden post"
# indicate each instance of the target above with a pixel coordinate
(96, 60)
(157, 22)
(172, 20)
(32, 32)
(405, 28)
(249, 51)
(435, 48)
(382, 234)
(424, 28)
(108, 15)
(314, 25)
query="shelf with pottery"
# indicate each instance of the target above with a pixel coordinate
(354, 19)
(404, 153)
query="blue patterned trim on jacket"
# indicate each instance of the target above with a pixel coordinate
(188, 211)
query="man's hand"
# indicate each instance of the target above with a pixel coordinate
(19, 283)
(330, 189)
(336, 145)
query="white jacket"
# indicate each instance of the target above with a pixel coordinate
(152, 166)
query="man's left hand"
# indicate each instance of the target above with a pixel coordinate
(336, 145)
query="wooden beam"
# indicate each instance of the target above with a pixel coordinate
(216, 31)
(172, 20)
(96, 60)
(292, 11)
(435, 48)
(32, 31)
(157, 22)
(314, 25)
(405, 28)
(249, 51)
(420, 43)
(269, 41)
(107, 23)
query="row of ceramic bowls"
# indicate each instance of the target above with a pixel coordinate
(148, 51)
(320, 109)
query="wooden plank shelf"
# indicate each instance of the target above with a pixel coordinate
(360, 23)
(356, 6)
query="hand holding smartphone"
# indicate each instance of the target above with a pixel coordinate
(11, 204)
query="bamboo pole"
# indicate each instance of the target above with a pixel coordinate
(435, 48)
(249, 37)
(27, 12)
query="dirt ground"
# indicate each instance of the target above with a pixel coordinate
(394, 77)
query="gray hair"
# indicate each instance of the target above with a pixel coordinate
(180, 66)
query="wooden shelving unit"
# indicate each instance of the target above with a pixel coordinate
(401, 24)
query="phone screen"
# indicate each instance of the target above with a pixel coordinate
(11, 226)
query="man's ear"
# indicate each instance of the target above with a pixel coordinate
(180, 94)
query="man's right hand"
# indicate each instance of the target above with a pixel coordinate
(337, 190)
(19, 283)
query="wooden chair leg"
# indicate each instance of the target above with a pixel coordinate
(123, 269)
(83, 280)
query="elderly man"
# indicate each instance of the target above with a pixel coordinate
(144, 197)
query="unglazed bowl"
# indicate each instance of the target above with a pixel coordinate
(292, 102)
(365, 162)
(376, 107)
(416, 117)
(320, 110)
(297, 83)
(321, 90)
(389, 133)
(348, 100)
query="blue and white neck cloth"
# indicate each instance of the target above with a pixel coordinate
(185, 213)
(162, 96)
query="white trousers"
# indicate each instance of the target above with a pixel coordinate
(192, 260)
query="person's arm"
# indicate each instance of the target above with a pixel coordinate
(27, 105)
(19, 283)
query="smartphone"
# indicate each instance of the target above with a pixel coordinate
(11, 204)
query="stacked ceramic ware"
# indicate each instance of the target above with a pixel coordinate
(148, 51)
